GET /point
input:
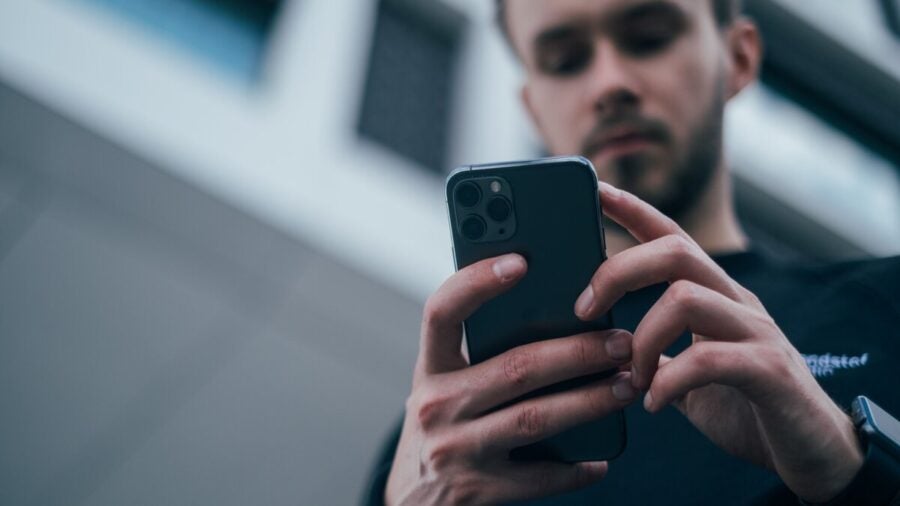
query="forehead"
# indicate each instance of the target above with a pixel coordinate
(527, 19)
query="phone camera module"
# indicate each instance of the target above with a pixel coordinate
(473, 228)
(498, 209)
(468, 194)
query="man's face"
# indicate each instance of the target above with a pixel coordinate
(637, 86)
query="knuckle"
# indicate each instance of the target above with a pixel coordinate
(433, 311)
(705, 358)
(607, 275)
(518, 366)
(766, 324)
(679, 246)
(589, 351)
(748, 297)
(439, 454)
(429, 407)
(583, 351)
(530, 422)
(684, 294)
(775, 361)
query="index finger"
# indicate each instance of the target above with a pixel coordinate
(639, 218)
(456, 299)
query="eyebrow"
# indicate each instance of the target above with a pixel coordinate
(608, 22)
(559, 32)
(656, 7)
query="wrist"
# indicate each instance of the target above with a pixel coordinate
(878, 481)
(843, 465)
(875, 484)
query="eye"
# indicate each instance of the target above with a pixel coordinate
(646, 43)
(565, 58)
(650, 31)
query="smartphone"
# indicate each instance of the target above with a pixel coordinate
(548, 211)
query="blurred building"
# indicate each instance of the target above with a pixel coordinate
(219, 220)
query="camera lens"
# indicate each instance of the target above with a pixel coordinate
(498, 209)
(473, 228)
(468, 194)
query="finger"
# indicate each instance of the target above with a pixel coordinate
(536, 419)
(686, 306)
(456, 300)
(667, 258)
(519, 481)
(702, 364)
(532, 366)
(678, 402)
(642, 220)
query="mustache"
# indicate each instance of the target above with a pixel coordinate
(606, 130)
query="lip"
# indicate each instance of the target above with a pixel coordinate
(620, 142)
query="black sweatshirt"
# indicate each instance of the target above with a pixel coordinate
(844, 318)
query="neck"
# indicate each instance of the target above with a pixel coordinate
(711, 222)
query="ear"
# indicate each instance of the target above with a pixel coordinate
(744, 47)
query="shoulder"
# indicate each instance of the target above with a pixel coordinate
(864, 267)
(876, 280)
(789, 289)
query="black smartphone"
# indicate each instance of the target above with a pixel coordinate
(547, 210)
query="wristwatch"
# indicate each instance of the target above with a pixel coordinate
(879, 433)
(878, 481)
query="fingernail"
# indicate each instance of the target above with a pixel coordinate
(618, 346)
(585, 301)
(648, 401)
(622, 389)
(508, 267)
(594, 469)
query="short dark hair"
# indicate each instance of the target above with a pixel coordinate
(724, 11)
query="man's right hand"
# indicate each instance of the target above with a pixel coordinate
(455, 443)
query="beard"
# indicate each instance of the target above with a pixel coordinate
(672, 184)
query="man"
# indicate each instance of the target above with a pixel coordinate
(639, 87)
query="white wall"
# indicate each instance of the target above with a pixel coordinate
(286, 152)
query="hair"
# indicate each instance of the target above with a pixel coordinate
(724, 12)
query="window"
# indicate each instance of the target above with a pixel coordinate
(408, 91)
(229, 34)
(826, 180)
(892, 15)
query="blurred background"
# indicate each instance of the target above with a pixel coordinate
(219, 220)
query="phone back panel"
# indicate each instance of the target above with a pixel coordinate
(557, 228)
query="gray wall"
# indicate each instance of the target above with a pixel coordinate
(158, 347)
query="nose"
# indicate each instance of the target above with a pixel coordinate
(613, 88)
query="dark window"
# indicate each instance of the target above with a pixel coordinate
(892, 15)
(229, 34)
(801, 62)
(407, 101)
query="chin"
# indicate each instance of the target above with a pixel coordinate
(640, 174)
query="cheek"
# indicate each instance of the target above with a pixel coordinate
(686, 89)
(562, 118)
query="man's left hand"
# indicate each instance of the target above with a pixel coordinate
(741, 382)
